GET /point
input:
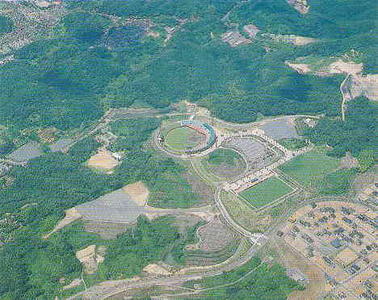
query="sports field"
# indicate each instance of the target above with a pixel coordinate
(310, 168)
(183, 138)
(266, 192)
(225, 163)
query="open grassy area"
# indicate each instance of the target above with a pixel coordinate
(310, 168)
(293, 144)
(224, 156)
(183, 138)
(266, 192)
(225, 163)
(337, 183)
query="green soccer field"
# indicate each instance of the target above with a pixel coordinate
(265, 192)
(183, 138)
(310, 168)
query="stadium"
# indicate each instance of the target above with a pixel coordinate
(187, 137)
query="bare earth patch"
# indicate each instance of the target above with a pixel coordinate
(71, 215)
(155, 269)
(325, 66)
(234, 39)
(359, 85)
(291, 259)
(291, 39)
(74, 283)
(366, 85)
(348, 162)
(106, 230)
(214, 236)
(251, 30)
(103, 160)
(91, 257)
(300, 68)
(300, 5)
(342, 67)
(138, 192)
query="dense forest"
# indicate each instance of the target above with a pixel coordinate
(6, 25)
(358, 134)
(54, 182)
(91, 64)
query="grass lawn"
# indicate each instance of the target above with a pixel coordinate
(310, 168)
(266, 192)
(224, 163)
(182, 138)
(226, 156)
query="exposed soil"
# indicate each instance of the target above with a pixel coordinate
(138, 192)
(366, 85)
(74, 283)
(214, 236)
(300, 68)
(325, 68)
(105, 230)
(342, 67)
(71, 215)
(365, 180)
(300, 5)
(155, 269)
(291, 39)
(234, 39)
(291, 259)
(91, 257)
(103, 160)
(348, 162)
(183, 222)
(251, 30)
(204, 191)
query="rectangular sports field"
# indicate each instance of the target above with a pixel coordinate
(266, 192)
(309, 168)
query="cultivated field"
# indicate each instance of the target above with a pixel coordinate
(265, 192)
(309, 168)
(183, 138)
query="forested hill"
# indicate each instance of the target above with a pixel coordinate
(105, 54)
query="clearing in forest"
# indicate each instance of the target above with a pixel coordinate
(310, 168)
(265, 192)
(138, 192)
(183, 138)
(103, 160)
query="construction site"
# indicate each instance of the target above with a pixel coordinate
(246, 172)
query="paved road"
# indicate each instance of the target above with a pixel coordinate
(343, 91)
(112, 288)
(108, 289)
